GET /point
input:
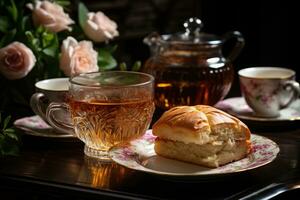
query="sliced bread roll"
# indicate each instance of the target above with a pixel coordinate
(202, 135)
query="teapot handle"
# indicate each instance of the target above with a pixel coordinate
(239, 44)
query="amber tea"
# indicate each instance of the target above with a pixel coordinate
(171, 94)
(190, 67)
(202, 87)
(106, 108)
(104, 124)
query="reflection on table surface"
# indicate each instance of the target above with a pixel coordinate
(59, 168)
(102, 174)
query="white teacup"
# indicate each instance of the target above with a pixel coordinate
(268, 89)
(48, 91)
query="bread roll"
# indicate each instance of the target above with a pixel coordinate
(202, 135)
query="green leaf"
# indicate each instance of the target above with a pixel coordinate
(51, 47)
(10, 132)
(105, 60)
(11, 150)
(34, 42)
(2, 142)
(82, 14)
(47, 39)
(50, 51)
(4, 24)
(123, 66)
(29, 35)
(6, 121)
(13, 10)
(112, 49)
(31, 38)
(63, 3)
(25, 23)
(136, 66)
(7, 38)
(9, 140)
(40, 29)
(48, 36)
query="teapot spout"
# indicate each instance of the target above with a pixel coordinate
(153, 41)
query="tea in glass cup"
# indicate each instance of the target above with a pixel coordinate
(107, 108)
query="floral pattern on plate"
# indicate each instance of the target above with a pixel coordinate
(238, 107)
(35, 125)
(136, 155)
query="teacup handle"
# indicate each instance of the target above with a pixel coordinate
(37, 104)
(62, 126)
(295, 86)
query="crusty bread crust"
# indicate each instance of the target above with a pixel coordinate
(201, 134)
(199, 124)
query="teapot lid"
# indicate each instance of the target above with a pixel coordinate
(192, 34)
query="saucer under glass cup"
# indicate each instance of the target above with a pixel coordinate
(107, 109)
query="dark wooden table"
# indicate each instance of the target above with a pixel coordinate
(58, 169)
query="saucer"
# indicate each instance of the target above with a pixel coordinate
(238, 107)
(36, 126)
(140, 155)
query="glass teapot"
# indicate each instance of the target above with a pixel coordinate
(189, 67)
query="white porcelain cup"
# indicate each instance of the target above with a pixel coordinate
(47, 92)
(268, 89)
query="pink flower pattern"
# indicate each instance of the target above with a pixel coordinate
(264, 151)
(254, 90)
(127, 154)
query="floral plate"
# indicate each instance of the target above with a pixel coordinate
(35, 125)
(238, 107)
(140, 155)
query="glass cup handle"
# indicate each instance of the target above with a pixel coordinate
(292, 85)
(37, 101)
(238, 46)
(62, 126)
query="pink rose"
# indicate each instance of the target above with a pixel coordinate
(78, 57)
(16, 61)
(50, 15)
(99, 27)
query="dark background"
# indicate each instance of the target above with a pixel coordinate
(269, 27)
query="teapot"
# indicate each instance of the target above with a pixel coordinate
(189, 67)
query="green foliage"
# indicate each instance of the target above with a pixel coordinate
(105, 59)
(82, 14)
(13, 10)
(63, 3)
(8, 37)
(9, 139)
(3, 24)
(123, 66)
(16, 25)
(46, 45)
(135, 67)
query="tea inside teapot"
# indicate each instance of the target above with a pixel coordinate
(189, 68)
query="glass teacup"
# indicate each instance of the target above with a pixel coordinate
(107, 108)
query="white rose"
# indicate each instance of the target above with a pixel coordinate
(99, 27)
(16, 61)
(78, 57)
(50, 15)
